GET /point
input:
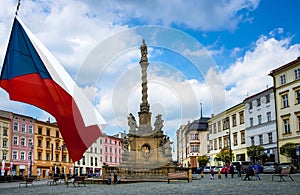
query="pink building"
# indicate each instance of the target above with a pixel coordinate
(111, 150)
(22, 135)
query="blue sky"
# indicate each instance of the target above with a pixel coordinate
(210, 52)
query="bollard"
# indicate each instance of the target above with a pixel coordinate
(219, 174)
(202, 175)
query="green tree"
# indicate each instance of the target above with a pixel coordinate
(224, 155)
(256, 152)
(202, 160)
(289, 150)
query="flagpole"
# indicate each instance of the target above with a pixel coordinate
(18, 6)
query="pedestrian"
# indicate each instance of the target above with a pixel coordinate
(249, 173)
(212, 174)
(256, 169)
(238, 168)
(232, 170)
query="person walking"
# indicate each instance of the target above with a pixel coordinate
(232, 170)
(238, 168)
(249, 173)
(256, 169)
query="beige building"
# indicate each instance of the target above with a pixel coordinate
(228, 129)
(287, 99)
(192, 142)
(50, 155)
(5, 144)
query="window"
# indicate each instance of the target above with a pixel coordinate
(110, 149)
(16, 126)
(226, 123)
(243, 137)
(235, 141)
(23, 128)
(4, 156)
(297, 96)
(22, 155)
(15, 140)
(116, 159)
(196, 148)
(297, 73)
(15, 155)
(219, 126)
(215, 144)
(105, 149)
(92, 161)
(40, 131)
(48, 132)
(5, 132)
(285, 100)
(39, 156)
(48, 156)
(250, 105)
(110, 159)
(298, 117)
(241, 117)
(56, 157)
(269, 116)
(282, 79)
(286, 124)
(57, 134)
(234, 120)
(29, 155)
(39, 143)
(83, 160)
(220, 142)
(251, 122)
(226, 141)
(260, 137)
(23, 141)
(268, 98)
(259, 119)
(252, 141)
(258, 102)
(47, 144)
(270, 138)
(4, 143)
(215, 127)
(30, 129)
(96, 161)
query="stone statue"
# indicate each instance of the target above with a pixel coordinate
(158, 125)
(144, 51)
(132, 122)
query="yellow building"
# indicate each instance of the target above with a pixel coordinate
(49, 151)
(5, 144)
(287, 99)
(227, 129)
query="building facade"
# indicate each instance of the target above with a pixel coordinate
(91, 162)
(286, 81)
(5, 130)
(50, 155)
(228, 129)
(260, 120)
(111, 150)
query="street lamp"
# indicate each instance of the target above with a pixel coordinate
(31, 159)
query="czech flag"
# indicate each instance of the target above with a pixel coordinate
(31, 74)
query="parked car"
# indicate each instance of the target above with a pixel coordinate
(208, 169)
(286, 165)
(244, 165)
(217, 169)
(270, 167)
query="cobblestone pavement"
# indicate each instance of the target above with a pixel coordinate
(204, 186)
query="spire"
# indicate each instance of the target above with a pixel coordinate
(200, 110)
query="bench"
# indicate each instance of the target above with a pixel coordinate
(79, 180)
(53, 181)
(284, 173)
(178, 176)
(27, 181)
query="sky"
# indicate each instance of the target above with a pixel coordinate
(209, 53)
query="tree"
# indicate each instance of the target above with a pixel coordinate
(256, 152)
(202, 160)
(224, 155)
(289, 150)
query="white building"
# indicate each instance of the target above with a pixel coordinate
(260, 118)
